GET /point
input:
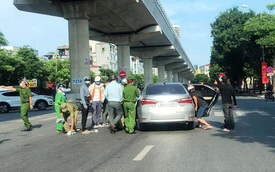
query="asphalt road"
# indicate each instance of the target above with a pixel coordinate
(250, 148)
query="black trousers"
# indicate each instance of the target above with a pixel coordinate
(229, 122)
(85, 113)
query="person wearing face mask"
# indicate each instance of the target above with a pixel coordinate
(97, 98)
(26, 102)
(59, 99)
(85, 103)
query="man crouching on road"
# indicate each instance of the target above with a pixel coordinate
(68, 110)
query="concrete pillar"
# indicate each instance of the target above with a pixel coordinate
(175, 77)
(148, 72)
(123, 58)
(180, 78)
(169, 76)
(161, 73)
(79, 51)
(184, 80)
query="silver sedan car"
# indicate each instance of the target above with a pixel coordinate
(167, 102)
(171, 103)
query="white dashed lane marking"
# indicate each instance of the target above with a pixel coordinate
(143, 153)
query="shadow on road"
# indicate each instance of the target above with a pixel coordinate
(165, 127)
(15, 114)
(5, 140)
(255, 125)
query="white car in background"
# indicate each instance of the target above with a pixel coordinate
(11, 100)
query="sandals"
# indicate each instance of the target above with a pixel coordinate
(198, 126)
(208, 128)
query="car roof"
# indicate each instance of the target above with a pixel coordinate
(165, 83)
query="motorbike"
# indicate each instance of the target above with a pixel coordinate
(269, 95)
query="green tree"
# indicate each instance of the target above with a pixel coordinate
(30, 63)
(139, 81)
(200, 78)
(262, 26)
(155, 78)
(23, 64)
(58, 71)
(106, 72)
(232, 45)
(93, 75)
(262, 29)
(3, 41)
(8, 67)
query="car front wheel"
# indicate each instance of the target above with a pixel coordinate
(41, 105)
(4, 107)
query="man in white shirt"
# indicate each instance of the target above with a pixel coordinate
(114, 93)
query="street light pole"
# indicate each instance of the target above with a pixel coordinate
(263, 52)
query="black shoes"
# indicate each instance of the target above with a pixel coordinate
(27, 128)
(112, 128)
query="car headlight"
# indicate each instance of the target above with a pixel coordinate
(49, 98)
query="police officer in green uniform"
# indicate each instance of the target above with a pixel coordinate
(68, 110)
(26, 102)
(130, 94)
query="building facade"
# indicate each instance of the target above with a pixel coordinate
(202, 69)
(102, 55)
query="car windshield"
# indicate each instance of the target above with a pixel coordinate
(165, 89)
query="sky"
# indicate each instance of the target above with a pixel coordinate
(44, 33)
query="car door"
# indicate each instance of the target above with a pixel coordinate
(209, 94)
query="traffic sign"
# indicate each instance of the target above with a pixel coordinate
(221, 74)
(122, 74)
(269, 69)
(264, 72)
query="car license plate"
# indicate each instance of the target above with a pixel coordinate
(167, 104)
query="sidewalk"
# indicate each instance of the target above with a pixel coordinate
(252, 94)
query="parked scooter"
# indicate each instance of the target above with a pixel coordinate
(269, 95)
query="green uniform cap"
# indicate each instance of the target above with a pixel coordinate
(131, 77)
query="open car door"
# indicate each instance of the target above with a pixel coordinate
(209, 94)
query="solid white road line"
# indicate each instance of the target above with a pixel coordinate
(143, 153)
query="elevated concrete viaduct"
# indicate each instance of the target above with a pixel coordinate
(137, 27)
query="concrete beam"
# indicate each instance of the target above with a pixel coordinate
(145, 52)
(172, 66)
(40, 7)
(178, 70)
(126, 38)
(186, 72)
(158, 61)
